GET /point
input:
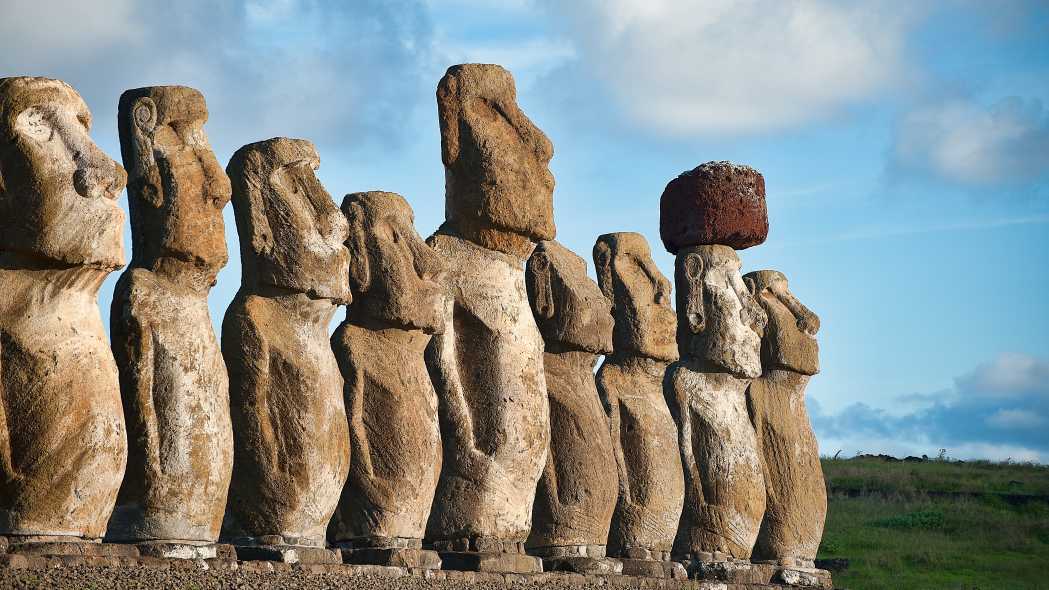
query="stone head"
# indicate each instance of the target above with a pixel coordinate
(58, 191)
(176, 187)
(498, 189)
(790, 338)
(644, 320)
(292, 236)
(569, 307)
(719, 322)
(397, 280)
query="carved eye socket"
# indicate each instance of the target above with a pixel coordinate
(33, 123)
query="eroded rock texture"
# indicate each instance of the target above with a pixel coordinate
(398, 303)
(794, 486)
(172, 377)
(578, 490)
(291, 438)
(487, 365)
(718, 336)
(715, 203)
(630, 382)
(62, 443)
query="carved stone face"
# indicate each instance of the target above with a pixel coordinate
(396, 278)
(569, 307)
(790, 338)
(496, 176)
(644, 320)
(177, 187)
(58, 191)
(719, 322)
(291, 233)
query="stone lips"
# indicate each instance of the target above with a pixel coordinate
(714, 203)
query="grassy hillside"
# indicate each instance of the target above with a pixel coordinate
(937, 524)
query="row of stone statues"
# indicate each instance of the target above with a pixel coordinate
(456, 404)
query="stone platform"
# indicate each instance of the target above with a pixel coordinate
(102, 570)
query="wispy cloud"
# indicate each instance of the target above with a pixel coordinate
(964, 142)
(721, 67)
(998, 410)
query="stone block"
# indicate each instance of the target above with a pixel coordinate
(650, 568)
(176, 550)
(287, 554)
(583, 565)
(75, 548)
(492, 562)
(393, 556)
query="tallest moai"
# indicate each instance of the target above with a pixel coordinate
(487, 366)
(62, 442)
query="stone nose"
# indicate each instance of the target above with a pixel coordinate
(97, 175)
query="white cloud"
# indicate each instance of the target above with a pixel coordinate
(965, 142)
(66, 27)
(1009, 374)
(728, 67)
(1015, 419)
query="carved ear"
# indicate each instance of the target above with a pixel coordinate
(693, 266)
(357, 243)
(146, 181)
(751, 286)
(542, 291)
(603, 269)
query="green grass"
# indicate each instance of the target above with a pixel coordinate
(938, 524)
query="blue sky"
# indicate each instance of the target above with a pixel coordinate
(905, 151)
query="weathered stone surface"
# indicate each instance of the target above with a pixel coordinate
(578, 490)
(796, 505)
(714, 203)
(291, 439)
(75, 548)
(498, 189)
(487, 365)
(288, 554)
(489, 561)
(62, 443)
(718, 327)
(394, 557)
(169, 550)
(583, 565)
(172, 377)
(630, 382)
(398, 302)
(648, 568)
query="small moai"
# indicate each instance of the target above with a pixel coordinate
(398, 301)
(630, 382)
(63, 447)
(291, 439)
(487, 364)
(796, 495)
(705, 214)
(172, 377)
(578, 490)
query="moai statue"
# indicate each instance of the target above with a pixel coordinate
(794, 486)
(172, 377)
(705, 213)
(398, 304)
(291, 439)
(487, 365)
(62, 443)
(630, 381)
(578, 490)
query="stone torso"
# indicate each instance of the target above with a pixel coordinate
(797, 494)
(578, 491)
(724, 486)
(492, 391)
(62, 441)
(645, 441)
(177, 406)
(290, 431)
(394, 434)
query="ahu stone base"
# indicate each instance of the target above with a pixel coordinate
(76, 572)
(393, 556)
